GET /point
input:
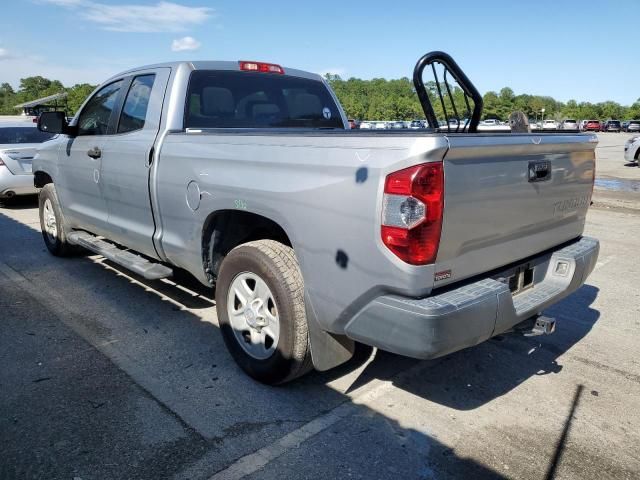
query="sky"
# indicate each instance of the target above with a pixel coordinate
(585, 51)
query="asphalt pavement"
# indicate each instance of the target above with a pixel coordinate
(105, 375)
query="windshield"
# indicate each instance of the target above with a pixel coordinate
(11, 135)
(615, 123)
(227, 99)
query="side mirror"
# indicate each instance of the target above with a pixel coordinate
(53, 122)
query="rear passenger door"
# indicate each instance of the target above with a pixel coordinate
(127, 157)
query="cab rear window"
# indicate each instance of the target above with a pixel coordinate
(227, 99)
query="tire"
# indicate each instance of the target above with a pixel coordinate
(52, 223)
(267, 335)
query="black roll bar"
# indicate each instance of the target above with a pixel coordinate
(469, 90)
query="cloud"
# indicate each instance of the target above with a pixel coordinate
(4, 54)
(185, 43)
(161, 17)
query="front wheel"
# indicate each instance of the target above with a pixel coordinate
(52, 223)
(260, 305)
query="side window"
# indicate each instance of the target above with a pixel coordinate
(94, 118)
(135, 107)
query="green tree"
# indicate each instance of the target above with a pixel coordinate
(7, 99)
(76, 95)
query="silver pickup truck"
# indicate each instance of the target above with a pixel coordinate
(315, 236)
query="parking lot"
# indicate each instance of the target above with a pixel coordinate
(109, 376)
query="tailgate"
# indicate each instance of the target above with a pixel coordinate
(18, 160)
(511, 196)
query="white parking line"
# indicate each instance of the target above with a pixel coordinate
(363, 396)
(253, 462)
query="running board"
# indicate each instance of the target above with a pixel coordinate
(137, 264)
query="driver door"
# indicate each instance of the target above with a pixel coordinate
(79, 186)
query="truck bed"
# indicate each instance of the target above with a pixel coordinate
(324, 188)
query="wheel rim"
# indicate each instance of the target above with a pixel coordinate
(253, 315)
(50, 223)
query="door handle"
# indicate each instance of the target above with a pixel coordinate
(94, 152)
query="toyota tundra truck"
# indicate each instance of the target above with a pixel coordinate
(315, 236)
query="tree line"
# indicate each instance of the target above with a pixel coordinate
(376, 99)
(381, 99)
(32, 88)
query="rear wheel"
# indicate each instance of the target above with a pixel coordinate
(260, 305)
(52, 223)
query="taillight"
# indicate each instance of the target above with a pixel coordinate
(260, 67)
(412, 211)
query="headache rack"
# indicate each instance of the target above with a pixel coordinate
(457, 99)
(459, 118)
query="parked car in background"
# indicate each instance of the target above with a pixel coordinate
(612, 126)
(592, 126)
(569, 125)
(366, 126)
(490, 122)
(633, 126)
(632, 150)
(381, 126)
(18, 143)
(397, 125)
(416, 124)
(549, 124)
(353, 124)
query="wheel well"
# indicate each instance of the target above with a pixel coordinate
(637, 157)
(40, 179)
(226, 229)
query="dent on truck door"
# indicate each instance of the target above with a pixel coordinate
(126, 160)
(79, 187)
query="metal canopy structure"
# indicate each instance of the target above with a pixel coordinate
(34, 107)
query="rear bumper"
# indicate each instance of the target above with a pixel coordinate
(18, 184)
(465, 316)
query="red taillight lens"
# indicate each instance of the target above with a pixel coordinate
(412, 212)
(261, 67)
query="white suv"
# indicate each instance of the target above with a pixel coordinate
(632, 150)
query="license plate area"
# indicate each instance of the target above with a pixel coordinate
(518, 279)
